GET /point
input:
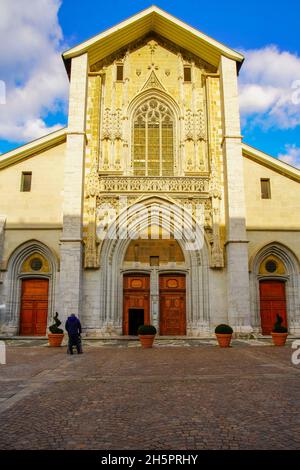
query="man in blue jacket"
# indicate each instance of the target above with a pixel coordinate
(73, 327)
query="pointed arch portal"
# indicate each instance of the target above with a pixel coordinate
(32, 269)
(274, 281)
(192, 273)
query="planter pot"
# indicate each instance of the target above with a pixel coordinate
(55, 340)
(146, 340)
(279, 339)
(224, 340)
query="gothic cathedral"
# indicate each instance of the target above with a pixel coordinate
(148, 207)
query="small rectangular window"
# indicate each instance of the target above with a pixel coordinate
(187, 73)
(120, 72)
(154, 260)
(265, 188)
(26, 181)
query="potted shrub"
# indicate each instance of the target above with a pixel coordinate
(146, 334)
(223, 333)
(279, 332)
(56, 334)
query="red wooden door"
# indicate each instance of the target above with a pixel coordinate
(172, 305)
(136, 290)
(34, 307)
(272, 301)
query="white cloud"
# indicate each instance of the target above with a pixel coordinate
(31, 67)
(292, 155)
(268, 87)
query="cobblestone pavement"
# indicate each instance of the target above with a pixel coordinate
(174, 396)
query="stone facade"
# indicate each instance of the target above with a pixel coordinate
(104, 178)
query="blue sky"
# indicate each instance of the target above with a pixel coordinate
(35, 32)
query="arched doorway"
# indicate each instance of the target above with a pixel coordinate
(34, 307)
(136, 302)
(153, 253)
(157, 293)
(30, 304)
(274, 281)
(272, 302)
(172, 305)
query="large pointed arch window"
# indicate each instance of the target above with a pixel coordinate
(153, 139)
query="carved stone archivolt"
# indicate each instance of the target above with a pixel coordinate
(104, 211)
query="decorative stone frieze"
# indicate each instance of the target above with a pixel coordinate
(153, 184)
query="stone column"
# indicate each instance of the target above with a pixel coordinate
(71, 241)
(238, 289)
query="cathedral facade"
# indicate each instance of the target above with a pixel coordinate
(148, 207)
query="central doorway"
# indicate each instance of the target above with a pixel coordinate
(136, 302)
(136, 318)
(172, 299)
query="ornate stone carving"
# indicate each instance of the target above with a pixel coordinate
(189, 125)
(215, 151)
(217, 256)
(90, 241)
(117, 128)
(153, 184)
(112, 124)
(197, 206)
(195, 128)
(92, 183)
(153, 82)
(152, 46)
(200, 125)
(92, 179)
(107, 124)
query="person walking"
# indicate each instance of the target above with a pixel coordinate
(73, 327)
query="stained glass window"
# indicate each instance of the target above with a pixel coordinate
(153, 140)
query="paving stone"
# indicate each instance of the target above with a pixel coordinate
(165, 398)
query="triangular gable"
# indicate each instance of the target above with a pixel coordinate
(271, 162)
(33, 148)
(153, 19)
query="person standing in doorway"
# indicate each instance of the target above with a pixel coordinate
(73, 327)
